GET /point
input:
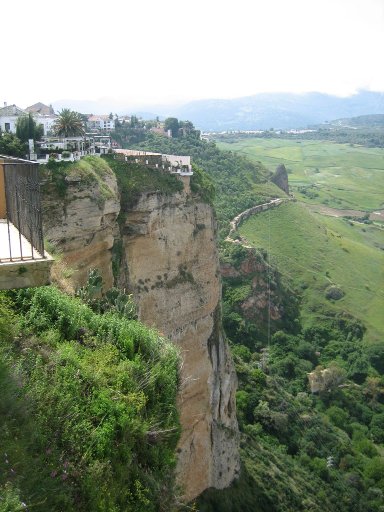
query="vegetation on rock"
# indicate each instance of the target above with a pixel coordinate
(135, 179)
(90, 170)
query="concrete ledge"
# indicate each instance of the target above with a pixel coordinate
(25, 274)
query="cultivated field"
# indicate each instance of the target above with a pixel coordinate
(338, 175)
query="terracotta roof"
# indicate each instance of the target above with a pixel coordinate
(98, 118)
(40, 108)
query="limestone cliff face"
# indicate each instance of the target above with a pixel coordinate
(81, 226)
(169, 262)
(171, 265)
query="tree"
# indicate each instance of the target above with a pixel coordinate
(172, 123)
(134, 121)
(27, 128)
(377, 428)
(69, 124)
(11, 145)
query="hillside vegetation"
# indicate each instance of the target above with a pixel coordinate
(317, 253)
(88, 408)
(238, 182)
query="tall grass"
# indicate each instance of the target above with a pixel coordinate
(88, 409)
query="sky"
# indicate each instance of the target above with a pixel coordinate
(151, 52)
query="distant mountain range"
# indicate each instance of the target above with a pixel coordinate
(258, 112)
(366, 121)
(278, 111)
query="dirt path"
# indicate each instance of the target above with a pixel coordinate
(334, 212)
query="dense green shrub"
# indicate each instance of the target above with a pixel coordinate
(92, 399)
(135, 179)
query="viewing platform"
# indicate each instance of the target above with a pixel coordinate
(23, 260)
(175, 164)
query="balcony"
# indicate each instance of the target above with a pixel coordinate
(23, 260)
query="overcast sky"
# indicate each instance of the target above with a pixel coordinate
(158, 52)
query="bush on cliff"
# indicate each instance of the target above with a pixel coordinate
(135, 179)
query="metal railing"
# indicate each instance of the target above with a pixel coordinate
(23, 210)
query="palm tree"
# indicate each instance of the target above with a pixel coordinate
(69, 124)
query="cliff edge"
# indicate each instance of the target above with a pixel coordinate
(168, 259)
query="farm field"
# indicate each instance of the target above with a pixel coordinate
(337, 175)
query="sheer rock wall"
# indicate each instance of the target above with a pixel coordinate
(169, 261)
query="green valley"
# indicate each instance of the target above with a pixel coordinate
(337, 175)
(89, 412)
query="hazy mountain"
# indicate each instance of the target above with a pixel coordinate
(107, 105)
(102, 106)
(366, 121)
(264, 111)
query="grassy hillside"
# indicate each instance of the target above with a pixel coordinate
(88, 418)
(339, 175)
(315, 252)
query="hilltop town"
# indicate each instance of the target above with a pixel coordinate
(93, 136)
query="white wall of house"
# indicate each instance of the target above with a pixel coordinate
(8, 123)
(109, 124)
(176, 160)
(101, 123)
(46, 121)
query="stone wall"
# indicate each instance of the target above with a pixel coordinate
(235, 223)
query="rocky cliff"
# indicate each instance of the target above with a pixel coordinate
(259, 297)
(280, 178)
(80, 223)
(168, 259)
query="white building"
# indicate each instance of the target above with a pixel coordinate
(45, 115)
(42, 114)
(103, 123)
(9, 115)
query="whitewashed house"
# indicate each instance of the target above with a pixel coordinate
(9, 114)
(100, 123)
(45, 115)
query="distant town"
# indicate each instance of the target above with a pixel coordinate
(69, 136)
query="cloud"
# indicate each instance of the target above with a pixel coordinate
(159, 52)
